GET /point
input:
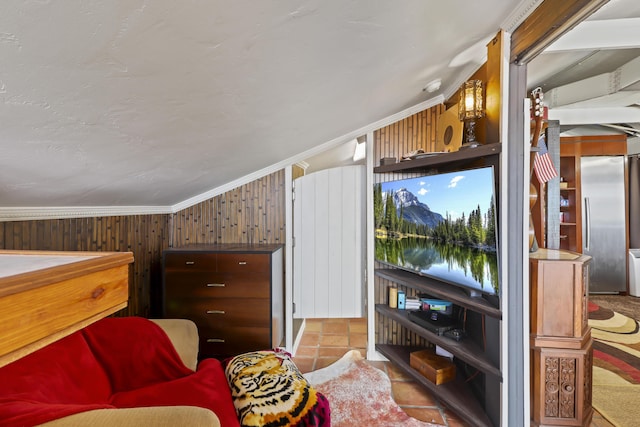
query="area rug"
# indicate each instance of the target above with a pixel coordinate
(360, 394)
(616, 366)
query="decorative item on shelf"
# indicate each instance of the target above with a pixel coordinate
(449, 131)
(470, 108)
(393, 297)
(402, 298)
(437, 369)
(387, 161)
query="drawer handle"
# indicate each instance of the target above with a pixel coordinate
(215, 340)
(190, 262)
(215, 311)
(215, 285)
(242, 262)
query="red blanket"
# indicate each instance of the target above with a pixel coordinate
(114, 363)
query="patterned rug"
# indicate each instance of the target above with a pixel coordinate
(360, 394)
(616, 366)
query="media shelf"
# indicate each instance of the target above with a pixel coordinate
(439, 289)
(465, 350)
(455, 394)
(456, 158)
(476, 398)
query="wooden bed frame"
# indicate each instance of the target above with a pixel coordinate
(47, 295)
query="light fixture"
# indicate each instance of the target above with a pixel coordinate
(360, 151)
(470, 108)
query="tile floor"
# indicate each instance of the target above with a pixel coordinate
(325, 340)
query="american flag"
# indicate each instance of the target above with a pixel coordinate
(542, 163)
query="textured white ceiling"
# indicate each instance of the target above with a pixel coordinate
(153, 102)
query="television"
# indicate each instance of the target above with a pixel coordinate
(442, 226)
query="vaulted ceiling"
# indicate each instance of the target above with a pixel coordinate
(156, 103)
(591, 75)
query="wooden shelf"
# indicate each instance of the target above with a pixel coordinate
(465, 349)
(454, 394)
(476, 407)
(439, 289)
(467, 155)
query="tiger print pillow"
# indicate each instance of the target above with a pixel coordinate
(268, 390)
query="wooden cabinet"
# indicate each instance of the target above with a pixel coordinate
(234, 294)
(561, 343)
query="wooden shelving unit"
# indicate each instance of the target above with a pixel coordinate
(469, 402)
(455, 393)
(466, 350)
(570, 205)
(448, 160)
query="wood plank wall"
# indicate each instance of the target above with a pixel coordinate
(414, 132)
(252, 213)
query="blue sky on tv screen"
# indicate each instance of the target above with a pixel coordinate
(451, 193)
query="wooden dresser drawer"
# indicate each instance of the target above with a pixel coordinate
(234, 340)
(188, 261)
(207, 285)
(220, 313)
(236, 263)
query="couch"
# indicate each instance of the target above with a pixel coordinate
(138, 372)
(118, 372)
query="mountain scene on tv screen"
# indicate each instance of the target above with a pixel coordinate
(441, 225)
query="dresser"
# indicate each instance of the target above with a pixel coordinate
(233, 292)
(561, 343)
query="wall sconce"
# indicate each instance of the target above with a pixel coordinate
(470, 108)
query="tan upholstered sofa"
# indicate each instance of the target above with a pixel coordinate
(183, 335)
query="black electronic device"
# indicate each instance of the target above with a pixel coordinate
(455, 334)
(435, 322)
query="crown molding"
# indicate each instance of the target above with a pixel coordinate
(61, 212)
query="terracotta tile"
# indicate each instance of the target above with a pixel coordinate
(378, 364)
(395, 373)
(303, 351)
(409, 393)
(334, 341)
(310, 339)
(454, 420)
(312, 325)
(429, 415)
(358, 340)
(332, 351)
(358, 326)
(341, 328)
(323, 362)
(333, 320)
(305, 364)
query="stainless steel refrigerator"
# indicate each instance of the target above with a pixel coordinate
(602, 183)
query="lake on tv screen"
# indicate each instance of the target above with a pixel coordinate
(460, 265)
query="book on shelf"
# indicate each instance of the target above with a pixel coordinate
(393, 297)
(402, 298)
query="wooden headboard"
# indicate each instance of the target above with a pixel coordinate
(47, 295)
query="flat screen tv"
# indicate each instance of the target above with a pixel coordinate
(442, 226)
